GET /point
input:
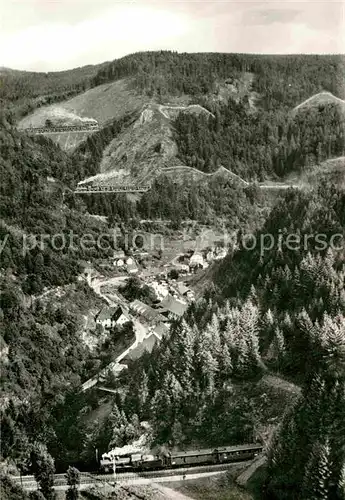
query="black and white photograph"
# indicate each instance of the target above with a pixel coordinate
(172, 250)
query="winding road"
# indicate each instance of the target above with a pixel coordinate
(139, 330)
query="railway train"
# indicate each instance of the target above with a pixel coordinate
(139, 462)
(67, 128)
(93, 188)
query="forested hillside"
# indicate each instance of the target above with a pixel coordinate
(272, 308)
(255, 132)
(268, 144)
(280, 80)
(23, 91)
(283, 81)
(212, 202)
(33, 174)
(42, 353)
(283, 311)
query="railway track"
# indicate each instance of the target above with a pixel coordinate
(61, 130)
(112, 189)
(89, 479)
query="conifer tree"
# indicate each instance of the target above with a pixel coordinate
(43, 468)
(267, 324)
(143, 393)
(73, 481)
(177, 434)
(279, 345)
(317, 473)
(341, 483)
(249, 324)
(225, 363)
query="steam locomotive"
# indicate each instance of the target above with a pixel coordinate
(139, 462)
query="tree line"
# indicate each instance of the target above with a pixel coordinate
(282, 81)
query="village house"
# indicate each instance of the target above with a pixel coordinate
(150, 315)
(172, 308)
(109, 317)
(89, 273)
(183, 268)
(132, 268)
(121, 316)
(196, 261)
(161, 330)
(118, 254)
(131, 265)
(141, 255)
(209, 256)
(183, 289)
(160, 290)
(119, 262)
(146, 345)
(119, 258)
(220, 253)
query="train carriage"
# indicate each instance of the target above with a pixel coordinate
(144, 462)
(192, 457)
(240, 452)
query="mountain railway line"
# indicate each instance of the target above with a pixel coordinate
(144, 477)
(59, 130)
(111, 189)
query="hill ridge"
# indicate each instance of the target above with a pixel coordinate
(220, 171)
(326, 98)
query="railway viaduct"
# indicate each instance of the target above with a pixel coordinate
(60, 130)
(111, 189)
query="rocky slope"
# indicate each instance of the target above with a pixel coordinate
(143, 150)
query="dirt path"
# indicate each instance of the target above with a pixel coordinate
(171, 494)
(280, 383)
(221, 169)
(162, 109)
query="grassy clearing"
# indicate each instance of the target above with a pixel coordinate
(103, 103)
(211, 488)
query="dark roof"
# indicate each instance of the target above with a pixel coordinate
(106, 313)
(192, 453)
(241, 447)
(121, 310)
(146, 345)
(173, 306)
(146, 311)
(160, 330)
(112, 313)
(225, 449)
